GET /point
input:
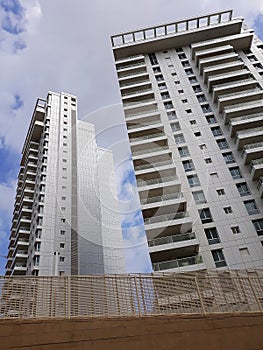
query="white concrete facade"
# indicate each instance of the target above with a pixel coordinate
(62, 223)
(192, 95)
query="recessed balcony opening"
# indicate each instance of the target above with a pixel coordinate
(153, 162)
(127, 90)
(152, 147)
(146, 134)
(171, 254)
(157, 176)
(173, 209)
(143, 122)
(138, 100)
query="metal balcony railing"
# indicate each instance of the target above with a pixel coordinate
(172, 264)
(133, 295)
(156, 181)
(165, 197)
(146, 137)
(150, 150)
(166, 217)
(153, 165)
(172, 239)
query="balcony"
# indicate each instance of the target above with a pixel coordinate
(131, 71)
(219, 69)
(165, 197)
(242, 109)
(128, 65)
(245, 122)
(227, 77)
(260, 186)
(249, 136)
(136, 93)
(220, 59)
(233, 87)
(238, 98)
(172, 239)
(154, 136)
(165, 218)
(215, 51)
(139, 127)
(256, 168)
(150, 151)
(129, 59)
(184, 264)
(19, 269)
(252, 151)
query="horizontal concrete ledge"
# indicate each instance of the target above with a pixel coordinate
(241, 331)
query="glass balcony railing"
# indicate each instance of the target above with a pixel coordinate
(19, 265)
(172, 264)
(165, 217)
(156, 181)
(129, 104)
(165, 197)
(137, 92)
(153, 165)
(146, 137)
(142, 125)
(172, 239)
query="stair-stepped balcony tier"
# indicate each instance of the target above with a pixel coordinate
(165, 199)
(190, 263)
(130, 71)
(220, 59)
(153, 162)
(202, 54)
(241, 41)
(245, 137)
(132, 96)
(133, 80)
(245, 122)
(243, 109)
(173, 247)
(233, 87)
(256, 168)
(221, 69)
(260, 186)
(151, 204)
(252, 151)
(227, 77)
(158, 223)
(239, 97)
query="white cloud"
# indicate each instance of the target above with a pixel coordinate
(7, 194)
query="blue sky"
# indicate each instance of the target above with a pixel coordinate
(41, 50)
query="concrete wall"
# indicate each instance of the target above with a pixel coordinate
(213, 332)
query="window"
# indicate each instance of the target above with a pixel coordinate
(62, 232)
(188, 165)
(216, 131)
(153, 59)
(173, 74)
(159, 77)
(208, 161)
(197, 88)
(212, 235)
(251, 207)
(202, 146)
(38, 233)
(220, 192)
(42, 188)
(201, 98)
(37, 246)
(65, 144)
(62, 245)
(179, 138)
(180, 91)
(167, 58)
(205, 215)
(258, 224)
(192, 80)
(244, 251)
(214, 174)
(175, 126)
(228, 157)
(183, 151)
(222, 143)
(206, 108)
(165, 95)
(171, 115)
(235, 229)
(162, 86)
(63, 208)
(36, 260)
(179, 49)
(193, 180)
(157, 70)
(189, 71)
(63, 198)
(185, 64)
(228, 210)
(211, 119)
(63, 220)
(184, 101)
(199, 197)
(197, 134)
(43, 178)
(177, 82)
(64, 160)
(168, 105)
(188, 111)
(193, 122)
(218, 257)
(40, 209)
(73, 99)
(61, 273)
(61, 258)
(235, 172)
(243, 189)
(41, 198)
(39, 221)
(182, 56)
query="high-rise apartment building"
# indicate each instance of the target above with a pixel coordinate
(66, 217)
(192, 96)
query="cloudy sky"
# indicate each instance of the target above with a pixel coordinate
(64, 45)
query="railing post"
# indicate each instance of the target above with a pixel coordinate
(255, 296)
(138, 298)
(200, 296)
(69, 296)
